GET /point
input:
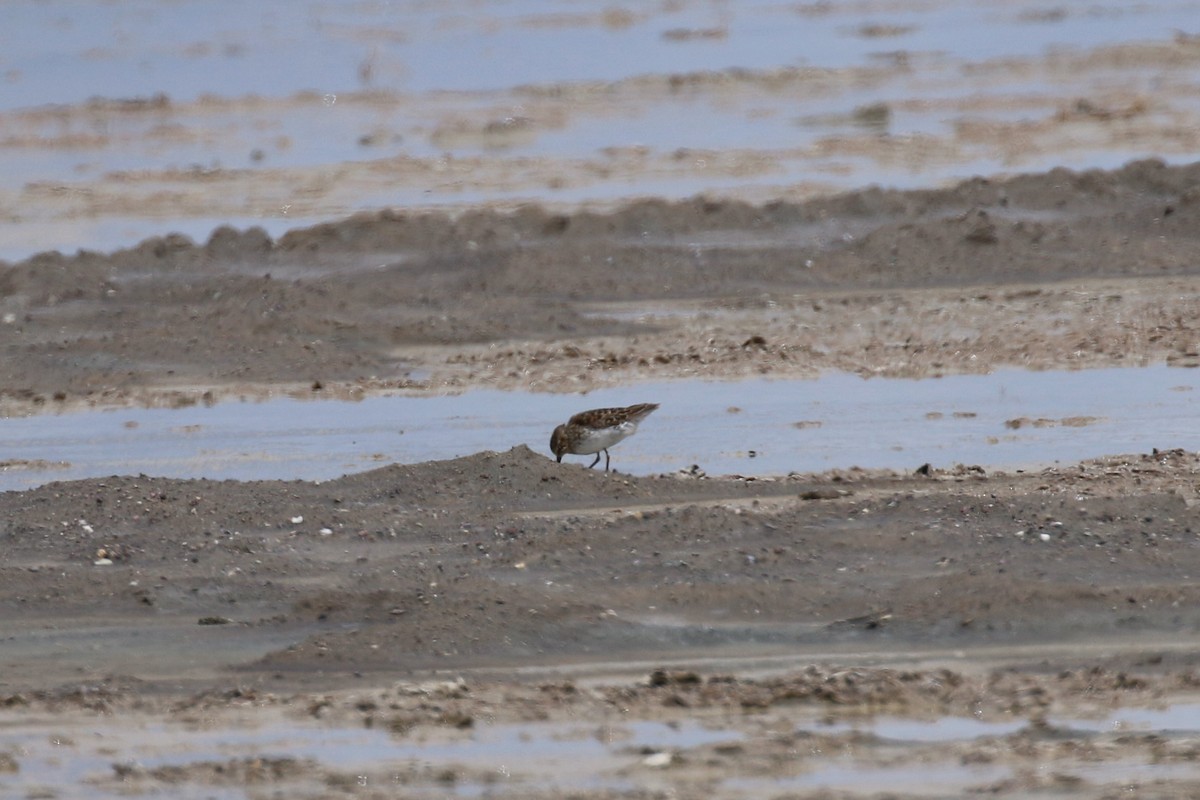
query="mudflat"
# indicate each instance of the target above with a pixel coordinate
(1056, 270)
(438, 601)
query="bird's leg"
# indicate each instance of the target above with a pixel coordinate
(606, 459)
(597, 461)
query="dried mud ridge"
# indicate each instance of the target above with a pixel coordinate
(1046, 270)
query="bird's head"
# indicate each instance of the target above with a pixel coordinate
(558, 442)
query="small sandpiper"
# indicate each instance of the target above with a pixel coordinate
(597, 430)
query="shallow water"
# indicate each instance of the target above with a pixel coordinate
(68, 54)
(544, 755)
(315, 85)
(1173, 719)
(758, 427)
(503, 759)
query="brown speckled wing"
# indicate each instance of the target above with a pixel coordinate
(610, 417)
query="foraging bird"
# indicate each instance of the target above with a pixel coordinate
(597, 430)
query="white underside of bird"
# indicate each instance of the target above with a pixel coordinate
(604, 438)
